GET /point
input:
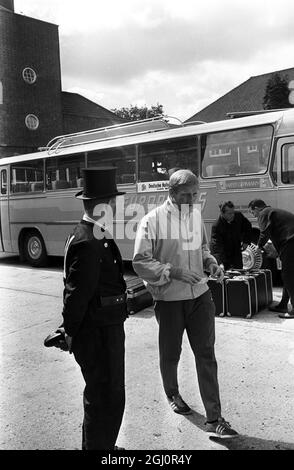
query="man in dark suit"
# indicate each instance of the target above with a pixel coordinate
(94, 311)
(230, 234)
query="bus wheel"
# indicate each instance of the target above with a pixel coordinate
(34, 249)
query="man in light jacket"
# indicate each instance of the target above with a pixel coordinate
(171, 255)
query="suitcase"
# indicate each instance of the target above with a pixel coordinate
(241, 296)
(138, 297)
(261, 288)
(218, 293)
(269, 280)
(269, 284)
(263, 284)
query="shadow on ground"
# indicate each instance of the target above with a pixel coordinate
(54, 263)
(242, 442)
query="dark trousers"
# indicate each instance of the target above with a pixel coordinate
(197, 317)
(285, 298)
(100, 353)
(287, 258)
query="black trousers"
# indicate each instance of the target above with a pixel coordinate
(235, 261)
(197, 317)
(100, 353)
(287, 258)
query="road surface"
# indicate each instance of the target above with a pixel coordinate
(41, 388)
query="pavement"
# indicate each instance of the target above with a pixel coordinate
(41, 388)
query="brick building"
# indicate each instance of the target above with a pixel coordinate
(33, 108)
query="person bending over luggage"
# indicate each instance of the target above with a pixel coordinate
(94, 311)
(278, 226)
(230, 234)
(170, 255)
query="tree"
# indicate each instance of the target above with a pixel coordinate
(135, 113)
(277, 93)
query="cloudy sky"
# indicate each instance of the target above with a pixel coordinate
(183, 54)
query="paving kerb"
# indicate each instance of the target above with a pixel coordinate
(41, 390)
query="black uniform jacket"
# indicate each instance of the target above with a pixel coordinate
(226, 239)
(276, 224)
(93, 270)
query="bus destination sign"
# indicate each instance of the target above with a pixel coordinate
(252, 183)
(151, 186)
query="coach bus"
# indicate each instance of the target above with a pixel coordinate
(236, 159)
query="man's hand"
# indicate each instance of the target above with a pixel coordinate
(216, 271)
(65, 343)
(270, 250)
(185, 275)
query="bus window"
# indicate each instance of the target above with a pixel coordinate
(287, 170)
(27, 177)
(3, 182)
(157, 158)
(236, 152)
(123, 158)
(64, 172)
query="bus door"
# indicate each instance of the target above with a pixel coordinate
(284, 165)
(5, 238)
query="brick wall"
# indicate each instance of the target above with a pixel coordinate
(26, 42)
(7, 4)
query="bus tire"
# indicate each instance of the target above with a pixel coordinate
(34, 249)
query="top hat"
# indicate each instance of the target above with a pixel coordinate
(99, 183)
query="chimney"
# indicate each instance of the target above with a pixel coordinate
(8, 4)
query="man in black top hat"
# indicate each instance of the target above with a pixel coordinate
(94, 311)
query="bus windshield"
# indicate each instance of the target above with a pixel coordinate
(236, 152)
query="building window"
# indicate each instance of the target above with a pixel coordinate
(220, 152)
(252, 148)
(32, 122)
(29, 75)
(1, 93)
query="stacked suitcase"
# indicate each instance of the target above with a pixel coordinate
(242, 298)
(269, 283)
(242, 293)
(218, 292)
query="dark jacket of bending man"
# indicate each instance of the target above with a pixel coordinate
(278, 226)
